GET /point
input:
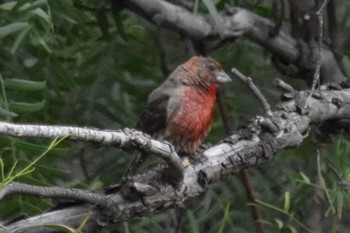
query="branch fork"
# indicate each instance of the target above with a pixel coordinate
(254, 144)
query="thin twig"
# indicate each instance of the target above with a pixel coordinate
(249, 83)
(345, 185)
(334, 170)
(316, 79)
(223, 111)
(252, 198)
(283, 85)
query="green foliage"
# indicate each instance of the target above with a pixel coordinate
(78, 63)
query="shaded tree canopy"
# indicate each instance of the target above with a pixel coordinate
(89, 65)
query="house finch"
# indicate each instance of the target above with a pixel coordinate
(180, 110)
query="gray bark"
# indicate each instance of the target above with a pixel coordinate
(255, 143)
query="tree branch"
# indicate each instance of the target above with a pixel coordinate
(54, 192)
(125, 139)
(250, 146)
(237, 22)
(255, 90)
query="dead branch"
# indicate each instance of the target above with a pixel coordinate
(255, 143)
(125, 139)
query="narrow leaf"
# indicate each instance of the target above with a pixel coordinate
(288, 230)
(279, 223)
(305, 178)
(7, 113)
(19, 39)
(11, 28)
(24, 85)
(286, 201)
(193, 225)
(2, 170)
(28, 5)
(26, 107)
(7, 6)
(42, 14)
(60, 227)
(226, 214)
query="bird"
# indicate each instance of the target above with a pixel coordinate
(180, 110)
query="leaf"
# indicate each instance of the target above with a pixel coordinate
(27, 107)
(6, 113)
(288, 230)
(339, 204)
(103, 23)
(19, 39)
(286, 201)
(11, 28)
(69, 19)
(305, 178)
(30, 168)
(42, 14)
(24, 85)
(116, 11)
(8, 6)
(2, 170)
(28, 5)
(192, 222)
(346, 64)
(83, 223)
(224, 220)
(60, 227)
(279, 223)
(21, 5)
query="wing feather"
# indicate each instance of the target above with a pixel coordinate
(153, 119)
(162, 104)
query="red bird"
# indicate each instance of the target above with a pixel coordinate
(180, 110)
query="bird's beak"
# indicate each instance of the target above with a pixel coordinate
(222, 77)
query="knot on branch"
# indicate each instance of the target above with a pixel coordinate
(240, 134)
(308, 55)
(249, 156)
(267, 124)
(230, 10)
(158, 19)
(288, 90)
(338, 102)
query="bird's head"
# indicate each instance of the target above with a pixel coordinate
(206, 71)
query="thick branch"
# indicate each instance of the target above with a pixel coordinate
(126, 139)
(172, 16)
(257, 142)
(237, 22)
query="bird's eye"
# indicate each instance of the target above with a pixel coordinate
(211, 67)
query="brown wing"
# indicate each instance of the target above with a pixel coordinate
(154, 116)
(162, 103)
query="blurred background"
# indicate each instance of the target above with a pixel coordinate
(77, 62)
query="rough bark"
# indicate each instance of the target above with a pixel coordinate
(253, 144)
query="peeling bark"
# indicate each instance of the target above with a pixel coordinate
(253, 144)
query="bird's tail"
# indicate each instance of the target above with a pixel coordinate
(133, 166)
